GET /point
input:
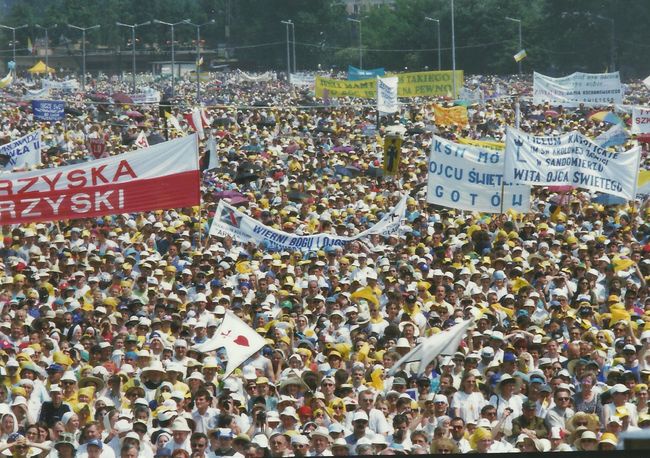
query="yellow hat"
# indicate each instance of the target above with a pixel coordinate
(479, 435)
(19, 391)
(87, 391)
(111, 302)
(61, 358)
(622, 412)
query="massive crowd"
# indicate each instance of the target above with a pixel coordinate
(100, 317)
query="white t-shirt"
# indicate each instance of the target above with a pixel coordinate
(469, 405)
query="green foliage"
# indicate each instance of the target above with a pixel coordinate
(395, 36)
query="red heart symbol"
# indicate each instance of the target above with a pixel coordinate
(241, 340)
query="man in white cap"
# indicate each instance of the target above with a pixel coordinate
(320, 441)
(359, 428)
(377, 422)
(300, 445)
(289, 420)
(180, 352)
(181, 436)
(620, 394)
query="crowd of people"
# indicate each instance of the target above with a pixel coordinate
(101, 317)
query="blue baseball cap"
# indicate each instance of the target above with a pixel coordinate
(95, 442)
(509, 357)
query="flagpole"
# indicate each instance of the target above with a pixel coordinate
(636, 180)
(503, 181)
(198, 161)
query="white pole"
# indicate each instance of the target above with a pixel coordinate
(453, 50)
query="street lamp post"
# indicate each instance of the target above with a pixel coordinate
(133, 27)
(198, 54)
(612, 49)
(521, 46)
(172, 25)
(288, 23)
(453, 50)
(360, 42)
(437, 21)
(13, 40)
(293, 44)
(83, 50)
(47, 42)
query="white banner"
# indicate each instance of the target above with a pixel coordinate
(228, 221)
(68, 85)
(148, 95)
(266, 76)
(469, 178)
(473, 96)
(23, 152)
(577, 88)
(570, 160)
(306, 80)
(640, 120)
(387, 95)
(40, 94)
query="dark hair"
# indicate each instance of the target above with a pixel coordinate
(126, 448)
(458, 419)
(196, 436)
(83, 439)
(487, 408)
(224, 421)
(399, 419)
(203, 392)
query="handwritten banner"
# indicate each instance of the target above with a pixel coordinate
(22, 152)
(577, 88)
(470, 178)
(570, 159)
(228, 221)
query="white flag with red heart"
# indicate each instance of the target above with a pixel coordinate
(238, 339)
(141, 141)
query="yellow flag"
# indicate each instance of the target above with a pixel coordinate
(450, 116)
(7, 80)
(377, 381)
(622, 264)
(367, 294)
(392, 155)
(521, 55)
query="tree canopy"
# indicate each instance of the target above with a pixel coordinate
(560, 37)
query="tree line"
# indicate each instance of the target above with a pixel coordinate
(559, 36)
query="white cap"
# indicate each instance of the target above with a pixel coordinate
(440, 398)
(359, 415)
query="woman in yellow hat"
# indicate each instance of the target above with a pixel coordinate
(481, 440)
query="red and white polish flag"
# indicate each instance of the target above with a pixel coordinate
(162, 176)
